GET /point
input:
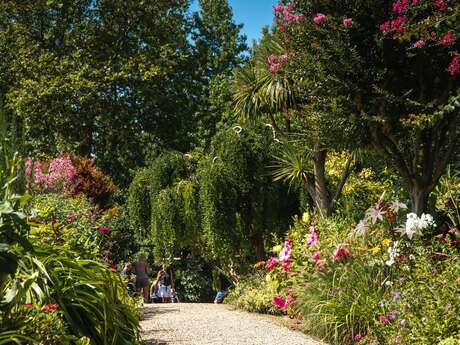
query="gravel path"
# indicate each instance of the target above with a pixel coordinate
(209, 324)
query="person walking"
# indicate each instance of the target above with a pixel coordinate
(165, 283)
(142, 271)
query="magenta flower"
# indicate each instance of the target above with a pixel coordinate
(313, 241)
(281, 303)
(357, 337)
(341, 253)
(419, 44)
(104, 230)
(319, 18)
(400, 6)
(440, 5)
(286, 265)
(447, 39)
(399, 24)
(271, 263)
(385, 27)
(347, 22)
(316, 256)
(113, 266)
(384, 320)
(454, 68)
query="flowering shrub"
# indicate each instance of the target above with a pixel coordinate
(71, 175)
(375, 282)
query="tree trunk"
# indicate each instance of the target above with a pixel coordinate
(319, 169)
(258, 247)
(419, 199)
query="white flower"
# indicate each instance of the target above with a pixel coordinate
(415, 225)
(393, 253)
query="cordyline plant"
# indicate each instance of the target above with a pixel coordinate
(390, 66)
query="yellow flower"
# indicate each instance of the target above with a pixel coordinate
(376, 249)
(386, 242)
(305, 217)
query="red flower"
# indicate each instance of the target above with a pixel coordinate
(447, 39)
(50, 308)
(28, 305)
(104, 230)
(342, 253)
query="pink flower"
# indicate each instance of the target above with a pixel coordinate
(399, 24)
(316, 256)
(28, 305)
(319, 18)
(357, 337)
(285, 254)
(385, 27)
(454, 67)
(271, 263)
(419, 44)
(320, 265)
(313, 241)
(278, 9)
(281, 303)
(341, 253)
(104, 230)
(347, 22)
(447, 39)
(384, 320)
(400, 6)
(286, 265)
(275, 63)
(440, 5)
(28, 166)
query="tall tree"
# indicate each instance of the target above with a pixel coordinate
(101, 78)
(391, 66)
(219, 47)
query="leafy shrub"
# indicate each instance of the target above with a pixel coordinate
(447, 195)
(193, 280)
(92, 300)
(72, 175)
(92, 182)
(255, 294)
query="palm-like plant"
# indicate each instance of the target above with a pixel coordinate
(257, 91)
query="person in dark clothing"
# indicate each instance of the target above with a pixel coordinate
(142, 270)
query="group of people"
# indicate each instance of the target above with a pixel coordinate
(162, 287)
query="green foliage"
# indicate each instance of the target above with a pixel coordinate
(138, 202)
(429, 297)
(447, 195)
(254, 294)
(93, 300)
(193, 280)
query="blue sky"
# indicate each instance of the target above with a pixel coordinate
(254, 14)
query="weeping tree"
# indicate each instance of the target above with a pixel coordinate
(240, 204)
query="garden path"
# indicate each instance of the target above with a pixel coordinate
(210, 324)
